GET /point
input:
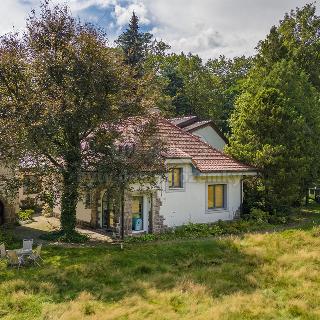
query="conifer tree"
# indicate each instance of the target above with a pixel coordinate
(135, 44)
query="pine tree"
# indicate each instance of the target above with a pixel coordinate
(135, 44)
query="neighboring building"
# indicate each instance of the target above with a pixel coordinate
(206, 130)
(203, 185)
(8, 207)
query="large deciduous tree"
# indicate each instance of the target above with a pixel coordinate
(296, 38)
(60, 85)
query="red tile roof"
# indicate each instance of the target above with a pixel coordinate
(182, 144)
(192, 123)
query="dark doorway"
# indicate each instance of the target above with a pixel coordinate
(1, 213)
(108, 212)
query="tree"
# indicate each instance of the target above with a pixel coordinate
(226, 75)
(275, 127)
(189, 84)
(296, 38)
(60, 87)
(135, 44)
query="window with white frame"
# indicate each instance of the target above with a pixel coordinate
(217, 196)
(175, 178)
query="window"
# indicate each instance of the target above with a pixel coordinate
(217, 196)
(137, 213)
(175, 178)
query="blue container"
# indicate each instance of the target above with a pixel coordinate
(137, 224)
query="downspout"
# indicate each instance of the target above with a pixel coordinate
(241, 195)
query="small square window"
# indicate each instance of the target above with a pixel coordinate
(217, 196)
(175, 178)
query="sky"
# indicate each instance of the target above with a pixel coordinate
(209, 28)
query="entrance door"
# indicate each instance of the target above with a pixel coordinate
(107, 211)
(1, 213)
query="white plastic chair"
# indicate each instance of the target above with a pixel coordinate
(35, 256)
(13, 259)
(27, 245)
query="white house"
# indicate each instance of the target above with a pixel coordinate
(203, 185)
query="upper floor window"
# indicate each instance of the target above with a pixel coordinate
(217, 196)
(175, 178)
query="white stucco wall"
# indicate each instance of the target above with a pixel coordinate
(209, 135)
(190, 204)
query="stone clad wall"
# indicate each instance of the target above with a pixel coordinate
(156, 225)
(11, 206)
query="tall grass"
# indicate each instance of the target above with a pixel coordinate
(255, 276)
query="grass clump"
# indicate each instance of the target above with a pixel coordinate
(61, 236)
(203, 230)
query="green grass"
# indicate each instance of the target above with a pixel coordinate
(271, 275)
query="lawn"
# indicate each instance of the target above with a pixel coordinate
(255, 276)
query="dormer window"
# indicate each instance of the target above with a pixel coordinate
(175, 178)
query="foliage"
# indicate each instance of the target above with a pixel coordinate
(24, 215)
(207, 90)
(60, 236)
(275, 127)
(62, 88)
(29, 203)
(296, 38)
(197, 230)
(7, 237)
(227, 75)
(134, 44)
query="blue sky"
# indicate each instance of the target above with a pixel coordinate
(205, 27)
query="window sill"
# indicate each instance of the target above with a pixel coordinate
(175, 190)
(137, 232)
(209, 211)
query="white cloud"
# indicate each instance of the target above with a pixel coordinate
(213, 27)
(123, 14)
(79, 5)
(16, 18)
(205, 27)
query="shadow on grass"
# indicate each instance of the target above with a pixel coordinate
(110, 274)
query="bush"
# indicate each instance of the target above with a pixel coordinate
(25, 215)
(259, 215)
(7, 237)
(29, 203)
(60, 236)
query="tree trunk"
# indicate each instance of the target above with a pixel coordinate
(70, 197)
